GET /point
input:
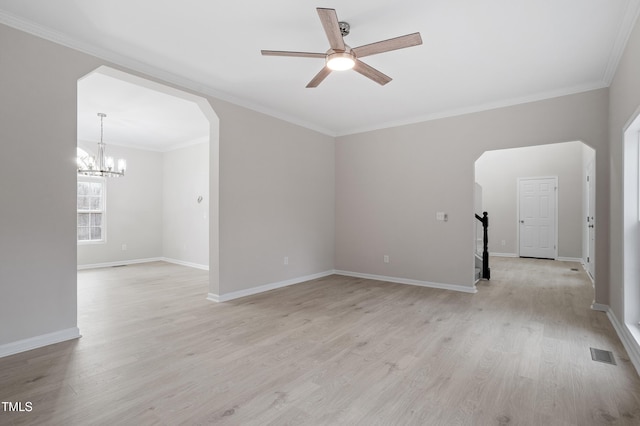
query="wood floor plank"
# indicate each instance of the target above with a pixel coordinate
(337, 350)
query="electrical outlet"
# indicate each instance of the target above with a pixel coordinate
(385, 259)
(503, 242)
(286, 260)
(124, 247)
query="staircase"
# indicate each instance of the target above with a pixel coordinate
(483, 272)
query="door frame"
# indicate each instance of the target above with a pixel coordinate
(590, 171)
(555, 225)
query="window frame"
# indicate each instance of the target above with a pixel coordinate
(102, 211)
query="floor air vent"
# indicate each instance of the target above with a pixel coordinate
(602, 356)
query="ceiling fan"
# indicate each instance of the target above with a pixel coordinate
(342, 57)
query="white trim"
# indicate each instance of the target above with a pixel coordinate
(212, 297)
(39, 341)
(193, 142)
(503, 254)
(504, 103)
(261, 289)
(599, 307)
(161, 149)
(183, 263)
(626, 336)
(103, 211)
(454, 287)
(119, 263)
(624, 32)
(150, 70)
(148, 260)
(584, 266)
(570, 259)
(133, 64)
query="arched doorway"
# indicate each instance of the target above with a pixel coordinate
(498, 172)
(203, 249)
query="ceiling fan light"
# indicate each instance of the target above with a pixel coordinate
(340, 61)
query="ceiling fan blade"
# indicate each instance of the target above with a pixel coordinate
(296, 54)
(324, 72)
(388, 45)
(329, 20)
(372, 73)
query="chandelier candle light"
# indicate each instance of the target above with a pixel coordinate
(103, 166)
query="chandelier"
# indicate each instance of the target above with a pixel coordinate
(102, 166)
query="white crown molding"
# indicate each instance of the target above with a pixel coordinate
(108, 55)
(630, 18)
(193, 142)
(39, 341)
(150, 70)
(477, 108)
(161, 149)
(267, 287)
(454, 287)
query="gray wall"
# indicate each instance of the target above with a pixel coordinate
(185, 222)
(390, 183)
(134, 209)
(624, 102)
(276, 199)
(37, 208)
(497, 172)
(276, 191)
(153, 209)
(281, 187)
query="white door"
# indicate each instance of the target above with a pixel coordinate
(591, 224)
(537, 221)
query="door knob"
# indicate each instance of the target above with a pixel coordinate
(522, 221)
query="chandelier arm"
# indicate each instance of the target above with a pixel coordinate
(105, 165)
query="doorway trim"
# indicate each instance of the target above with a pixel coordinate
(590, 234)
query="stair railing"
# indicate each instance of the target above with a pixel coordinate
(484, 219)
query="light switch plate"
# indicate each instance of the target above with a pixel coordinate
(442, 216)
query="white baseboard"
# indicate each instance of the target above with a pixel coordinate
(626, 337)
(503, 254)
(569, 259)
(261, 289)
(136, 261)
(599, 307)
(183, 263)
(454, 287)
(39, 341)
(119, 263)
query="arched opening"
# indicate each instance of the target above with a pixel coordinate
(175, 205)
(569, 168)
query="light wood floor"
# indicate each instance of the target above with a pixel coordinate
(332, 351)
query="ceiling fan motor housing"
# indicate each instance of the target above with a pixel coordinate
(345, 28)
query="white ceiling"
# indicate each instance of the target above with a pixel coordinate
(476, 54)
(137, 116)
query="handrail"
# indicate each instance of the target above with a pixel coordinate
(486, 272)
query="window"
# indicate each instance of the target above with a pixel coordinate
(91, 210)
